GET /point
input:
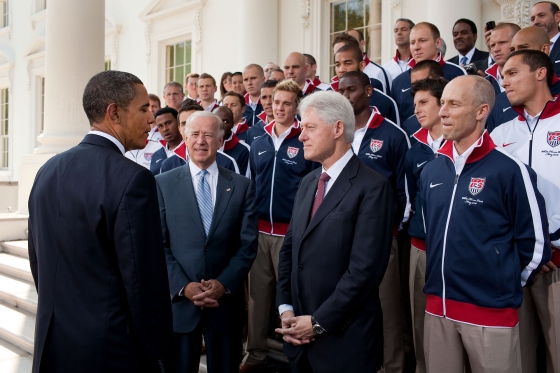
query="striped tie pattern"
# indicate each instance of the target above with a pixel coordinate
(320, 192)
(204, 196)
(464, 61)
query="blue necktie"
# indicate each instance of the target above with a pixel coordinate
(464, 61)
(204, 196)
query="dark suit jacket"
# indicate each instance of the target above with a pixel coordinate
(225, 255)
(331, 267)
(555, 57)
(477, 56)
(98, 264)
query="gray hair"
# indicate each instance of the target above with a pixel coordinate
(443, 47)
(405, 20)
(173, 84)
(106, 88)
(205, 114)
(331, 107)
(483, 92)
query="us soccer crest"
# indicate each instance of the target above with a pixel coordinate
(553, 138)
(476, 185)
(148, 156)
(292, 152)
(375, 145)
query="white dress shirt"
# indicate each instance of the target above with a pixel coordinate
(212, 178)
(108, 137)
(252, 104)
(358, 138)
(277, 140)
(333, 171)
(553, 40)
(468, 55)
(531, 121)
(461, 160)
(434, 144)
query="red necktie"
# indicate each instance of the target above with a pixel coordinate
(320, 192)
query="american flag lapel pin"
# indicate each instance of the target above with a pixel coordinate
(228, 190)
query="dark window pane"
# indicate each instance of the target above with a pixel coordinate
(356, 16)
(338, 17)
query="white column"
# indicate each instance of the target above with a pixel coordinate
(444, 13)
(259, 32)
(75, 51)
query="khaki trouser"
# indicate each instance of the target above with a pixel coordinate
(262, 286)
(390, 298)
(416, 283)
(541, 307)
(489, 350)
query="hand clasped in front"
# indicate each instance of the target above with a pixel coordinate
(296, 330)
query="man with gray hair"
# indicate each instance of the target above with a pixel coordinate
(173, 94)
(399, 63)
(336, 249)
(209, 228)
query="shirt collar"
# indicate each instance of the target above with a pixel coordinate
(469, 55)
(108, 137)
(554, 39)
(339, 165)
(436, 141)
(467, 152)
(212, 169)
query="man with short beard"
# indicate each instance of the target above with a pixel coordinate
(546, 14)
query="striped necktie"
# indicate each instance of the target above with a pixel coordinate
(204, 197)
(321, 186)
(464, 61)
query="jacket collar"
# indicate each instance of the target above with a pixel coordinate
(484, 145)
(295, 130)
(248, 99)
(308, 88)
(375, 118)
(551, 108)
(241, 126)
(439, 60)
(231, 143)
(262, 116)
(493, 71)
(422, 135)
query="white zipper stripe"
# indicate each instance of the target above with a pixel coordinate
(445, 243)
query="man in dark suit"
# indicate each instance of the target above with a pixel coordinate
(546, 14)
(335, 251)
(98, 265)
(210, 237)
(464, 39)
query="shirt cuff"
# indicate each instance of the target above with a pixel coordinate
(181, 291)
(285, 307)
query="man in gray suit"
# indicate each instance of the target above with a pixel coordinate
(210, 238)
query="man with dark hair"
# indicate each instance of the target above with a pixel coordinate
(382, 145)
(427, 94)
(277, 166)
(533, 137)
(276, 74)
(168, 127)
(98, 264)
(371, 69)
(191, 85)
(232, 146)
(486, 238)
(144, 156)
(529, 38)
(295, 68)
(546, 14)
(424, 44)
(236, 103)
(312, 73)
(399, 63)
(237, 83)
(464, 39)
(206, 90)
(267, 114)
(253, 78)
(500, 41)
(173, 94)
(349, 58)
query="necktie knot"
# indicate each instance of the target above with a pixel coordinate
(324, 177)
(464, 61)
(203, 173)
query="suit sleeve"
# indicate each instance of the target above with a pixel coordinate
(142, 267)
(527, 213)
(239, 265)
(368, 258)
(32, 255)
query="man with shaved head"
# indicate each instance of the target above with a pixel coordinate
(486, 238)
(232, 146)
(253, 78)
(529, 38)
(546, 15)
(296, 68)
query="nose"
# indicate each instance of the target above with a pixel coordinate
(443, 111)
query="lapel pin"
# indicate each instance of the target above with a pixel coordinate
(228, 189)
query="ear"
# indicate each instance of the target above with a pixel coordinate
(369, 90)
(541, 73)
(112, 113)
(482, 112)
(438, 43)
(338, 129)
(362, 65)
(546, 49)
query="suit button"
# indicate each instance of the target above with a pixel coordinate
(300, 267)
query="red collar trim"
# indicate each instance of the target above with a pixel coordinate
(309, 87)
(439, 60)
(248, 99)
(366, 58)
(375, 118)
(555, 79)
(317, 82)
(398, 57)
(231, 143)
(493, 71)
(484, 145)
(241, 127)
(422, 135)
(262, 116)
(212, 106)
(334, 84)
(181, 150)
(163, 142)
(334, 78)
(295, 131)
(551, 108)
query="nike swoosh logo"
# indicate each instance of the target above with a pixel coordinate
(508, 144)
(158, 160)
(420, 164)
(434, 185)
(404, 90)
(262, 152)
(504, 110)
(256, 137)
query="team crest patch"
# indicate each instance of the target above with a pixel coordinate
(292, 152)
(148, 156)
(553, 138)
(476, 185)
(375, 145)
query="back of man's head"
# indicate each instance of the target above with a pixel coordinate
(105, 88)
(435, 70)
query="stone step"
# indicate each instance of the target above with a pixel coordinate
(13, 226)
(17, 327)
(18, 248)
(13, 359)
(18, 293)
(15, 266)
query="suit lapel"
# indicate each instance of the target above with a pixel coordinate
(186, 191)
(309, 198)
(224, 191)
(555, 52)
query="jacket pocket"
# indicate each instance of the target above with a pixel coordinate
(500, 270)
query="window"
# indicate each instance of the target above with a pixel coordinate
(4, 13)
(178, 61)
(108, 65)
(41, 5)
(4, 130)
(363, 15)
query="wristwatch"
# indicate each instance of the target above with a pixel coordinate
(317, 329)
